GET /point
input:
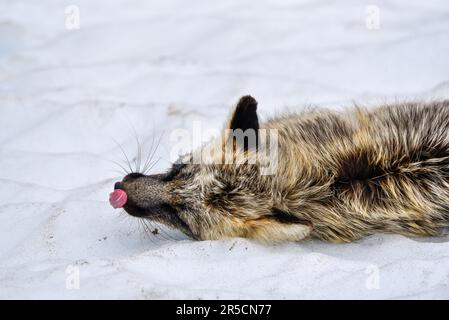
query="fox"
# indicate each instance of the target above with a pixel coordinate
(338, 176)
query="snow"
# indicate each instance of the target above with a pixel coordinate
(145, 68)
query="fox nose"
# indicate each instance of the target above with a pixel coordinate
(118, 185)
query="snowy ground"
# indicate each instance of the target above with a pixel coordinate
(153, 66)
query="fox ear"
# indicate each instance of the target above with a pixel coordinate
(244, 117)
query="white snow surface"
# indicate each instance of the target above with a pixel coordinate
(144, 68)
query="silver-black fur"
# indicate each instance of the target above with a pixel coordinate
(340, 176)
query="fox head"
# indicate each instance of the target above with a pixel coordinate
(218, 191)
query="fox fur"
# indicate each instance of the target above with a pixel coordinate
(339, 176)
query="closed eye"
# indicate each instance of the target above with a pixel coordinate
(174, 171)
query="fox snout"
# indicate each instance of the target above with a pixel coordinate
(141, 195)
(150, 197)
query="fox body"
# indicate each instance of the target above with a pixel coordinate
(338, 176)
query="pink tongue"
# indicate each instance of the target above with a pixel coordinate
(118, 198)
